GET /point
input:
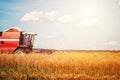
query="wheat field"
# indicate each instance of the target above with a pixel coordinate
(61, 66)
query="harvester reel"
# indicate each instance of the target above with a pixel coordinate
(19, 51)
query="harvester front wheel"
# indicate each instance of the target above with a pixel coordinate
(19, 51)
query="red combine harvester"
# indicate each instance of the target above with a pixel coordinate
(16, 41)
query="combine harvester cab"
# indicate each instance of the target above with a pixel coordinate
(16, 41)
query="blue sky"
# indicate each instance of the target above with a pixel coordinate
(8, 15)
(65, 24)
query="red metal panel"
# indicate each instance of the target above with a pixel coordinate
(10, 35)
(9, 41)
(10, 44)
(9, 50)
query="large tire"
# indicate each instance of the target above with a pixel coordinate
(19, 51)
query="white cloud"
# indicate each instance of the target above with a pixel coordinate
(51, 16)
(65, 18)
(45, 16)
(33, 16)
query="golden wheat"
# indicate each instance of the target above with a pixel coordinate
(61, 65)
